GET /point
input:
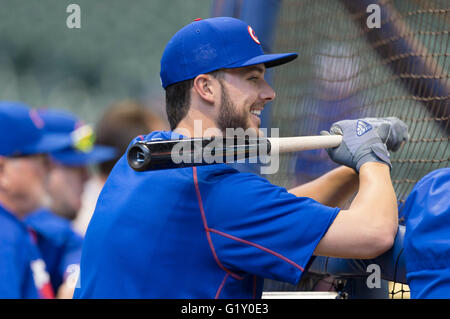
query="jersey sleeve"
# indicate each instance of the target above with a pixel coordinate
(259, 228)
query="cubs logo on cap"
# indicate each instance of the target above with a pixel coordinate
(211, 44)
(253, 35)
(37, 120)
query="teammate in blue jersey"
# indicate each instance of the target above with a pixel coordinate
(427, 236)
(58, 243)
(419, 256)
(23, 175)
(212, 231)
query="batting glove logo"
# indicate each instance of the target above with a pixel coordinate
(362, 127)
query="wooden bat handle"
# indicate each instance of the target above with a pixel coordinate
(303, 143)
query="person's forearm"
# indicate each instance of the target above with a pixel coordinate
(375, 207)
(371, 219)
(332, 189)
(391, 263)
(374, 178)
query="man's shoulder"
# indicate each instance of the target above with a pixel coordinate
(11, 228)
(50, 225)
(231, 177)
(47, 218)
(227, 186)
(159, 135)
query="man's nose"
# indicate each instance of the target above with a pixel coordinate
(267, 93)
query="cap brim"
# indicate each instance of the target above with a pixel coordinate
(269, 60)
(48, 143)
(72, 157)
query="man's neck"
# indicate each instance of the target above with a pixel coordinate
(11, 207)
(196, 124)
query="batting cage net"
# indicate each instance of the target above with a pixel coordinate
(364, 59)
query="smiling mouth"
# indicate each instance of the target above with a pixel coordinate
(256, 112)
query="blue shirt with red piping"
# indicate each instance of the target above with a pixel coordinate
(59, 245)
(23, 273)
(201, 232)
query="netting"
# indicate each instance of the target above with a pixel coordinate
(347, 70)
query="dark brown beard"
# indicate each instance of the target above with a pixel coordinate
(229, 115)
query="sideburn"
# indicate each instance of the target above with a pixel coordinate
(229, 115)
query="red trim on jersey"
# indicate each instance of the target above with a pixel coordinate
(207, 229)
(218, 232)
(46, 291)
(33, 235)
(221, 286)
(254, 287)
(267, 250)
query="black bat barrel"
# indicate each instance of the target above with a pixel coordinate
(166, 154)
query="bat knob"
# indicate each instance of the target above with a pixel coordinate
(138, 157)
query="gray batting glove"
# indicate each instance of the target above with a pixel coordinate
(392, 131)
(364, 140)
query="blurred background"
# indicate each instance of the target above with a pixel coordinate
(113, 56)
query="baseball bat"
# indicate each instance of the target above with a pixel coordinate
(166, 154)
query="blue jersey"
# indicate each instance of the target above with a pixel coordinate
(202, 232)
(427, 237)
(58, 244)
(23, 273)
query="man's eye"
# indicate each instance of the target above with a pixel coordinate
(253, 78)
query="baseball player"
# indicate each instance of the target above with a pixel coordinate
(23, 171)
(426, 243)
(118, 125)
(419, 256)
(58, 243)
(212, 231)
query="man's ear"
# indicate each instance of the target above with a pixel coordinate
(2, 163)
(2, 171)
(204, 86)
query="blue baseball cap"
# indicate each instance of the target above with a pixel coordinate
(22, 132)
(207, 45)
(82, 149)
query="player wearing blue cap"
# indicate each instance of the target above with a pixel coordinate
(23, 172)
(59, 244)
(70, 165)
(211, 231)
